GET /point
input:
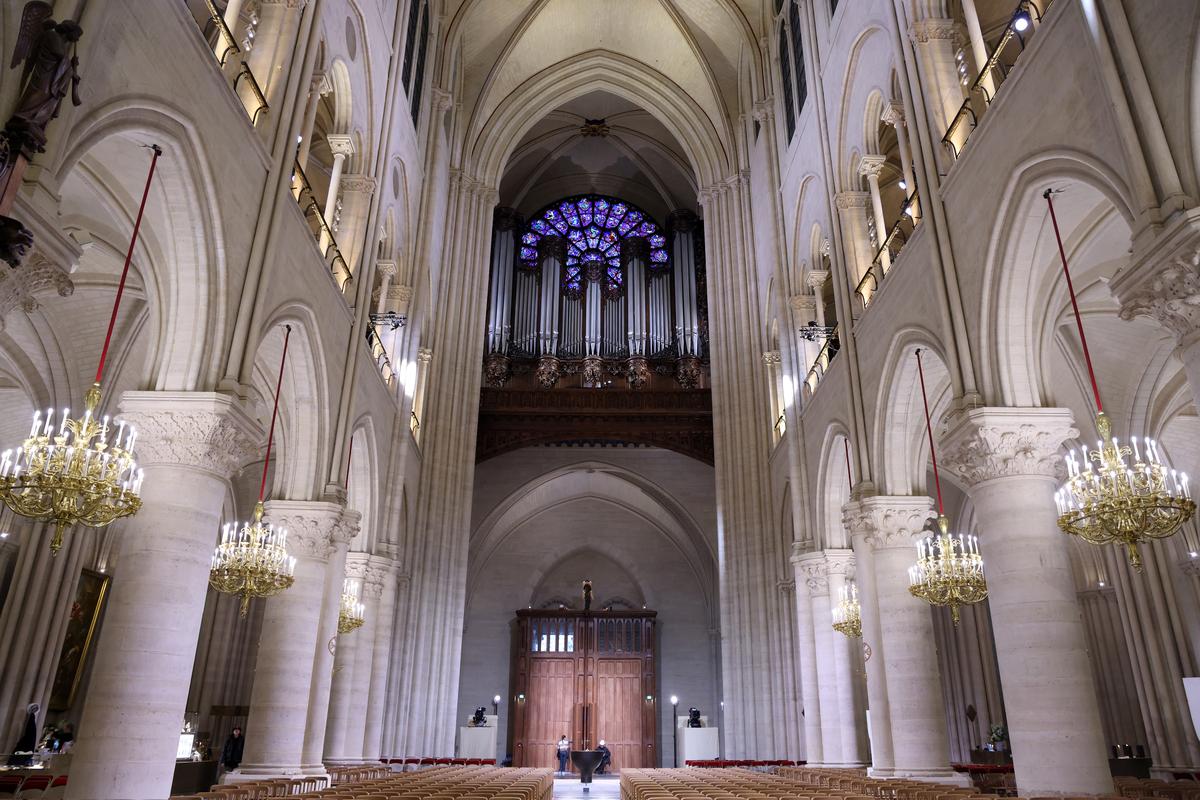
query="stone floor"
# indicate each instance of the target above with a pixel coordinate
(602, 787)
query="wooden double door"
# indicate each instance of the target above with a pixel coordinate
(590, 675)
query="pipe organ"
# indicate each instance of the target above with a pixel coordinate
(591, 286)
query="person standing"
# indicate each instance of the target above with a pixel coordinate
(28, 741)
(564, 750)
(231, 754)
(605, 758)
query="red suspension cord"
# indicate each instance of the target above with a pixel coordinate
(262, 487)
(937, 483)
(846, 441)
(112, 321)
(1087, 356)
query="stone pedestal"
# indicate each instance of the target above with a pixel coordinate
(1010, 460)
(291, 640)
(189, 445)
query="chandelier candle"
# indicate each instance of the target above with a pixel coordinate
(949, 569)
(70, 473)
(847, 614)
(1117, 494)
(351, 613)
(253, 561)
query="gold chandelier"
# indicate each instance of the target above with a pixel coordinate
(949, 569)
(847, 614)
(1107, 499)
(351, 613)
(253, 561)
(73, 474)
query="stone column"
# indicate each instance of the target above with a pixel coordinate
(848, 665)
(43, 588)
(278, 30)
(365, 665)
(935, 43)
(806, 647)
(893, 115)
(344, 531)
(319, 87)
(916, 707)
(852, 214)
(858, 526)
(351, 234)
(383, 570)
(1163, 283)
(815, 570)
(190, 444)
(773, 361)
(871, 166)
(291, 638)
(1010, 461)
(343, 147)
(978, 49)
(342, 683)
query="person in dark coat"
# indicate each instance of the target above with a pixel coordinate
(231, 754)
(28, 741)
(605, 758)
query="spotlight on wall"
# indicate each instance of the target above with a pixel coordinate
(674, 700)
(902, 184)
(521, 698)
(1021, 21)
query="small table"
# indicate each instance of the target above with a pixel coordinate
(586, 762)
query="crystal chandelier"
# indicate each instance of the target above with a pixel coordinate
(1117, 494)
(73, 474)
(351, 613)
(949, 568)
(252, 559)
(847, 614)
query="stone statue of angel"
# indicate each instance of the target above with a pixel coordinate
(47, 49)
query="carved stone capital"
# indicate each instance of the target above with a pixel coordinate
(424, 355)
(36, 276)
(199, 430)
(347, 527)
(845, 200)
(772, 358)
(987, 443)
(341, 144)
(401, 293)
(814, 571)
(893, 114)
(764, 109)
(386, 268)
(927, 30)
(816, 278)
(886, 522)
(312, 526)
(440, 99)
(358, 184)
(871, 165)
(1163, 283)
(840, 562)
(804, 305)
(357, 565)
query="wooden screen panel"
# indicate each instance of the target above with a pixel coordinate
(549, 702)
(618, 706)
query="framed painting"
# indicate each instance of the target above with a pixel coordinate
(81, 629)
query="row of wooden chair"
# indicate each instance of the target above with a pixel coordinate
(449, 783)
(258, 790)
(340, 776)
(1143, 789)
(46, 787)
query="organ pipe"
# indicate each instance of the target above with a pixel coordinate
(682, 224)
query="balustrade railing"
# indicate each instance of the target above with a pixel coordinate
(414, 424)
(379, 353)
(780, 427)
(897, 236)
(324, 239)
(982, 91)
(229, 57)
(821, 363)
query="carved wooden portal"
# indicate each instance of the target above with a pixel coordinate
(590, 675)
